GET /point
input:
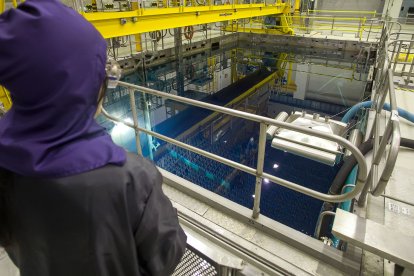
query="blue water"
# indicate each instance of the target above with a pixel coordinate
(281, 204)
(237, 143)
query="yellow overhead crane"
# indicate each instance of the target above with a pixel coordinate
(142, 20)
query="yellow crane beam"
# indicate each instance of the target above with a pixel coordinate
(114, 24)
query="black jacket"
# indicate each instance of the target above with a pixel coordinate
(113, 221)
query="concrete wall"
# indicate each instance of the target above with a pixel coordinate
(405, 6)
(355, 5)
(332, 85)
(392, 8)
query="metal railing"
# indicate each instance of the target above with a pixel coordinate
(258, 171)
(386, 144)
(400, 55)
(363, 28)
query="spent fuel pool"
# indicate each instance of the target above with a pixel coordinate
(234, 139)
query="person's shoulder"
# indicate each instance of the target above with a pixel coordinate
(136, 162)
(142, 169)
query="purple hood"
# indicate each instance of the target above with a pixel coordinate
(53, 63)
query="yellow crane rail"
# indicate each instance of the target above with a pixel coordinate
(113, 24)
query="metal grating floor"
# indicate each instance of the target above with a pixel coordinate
(193, 264)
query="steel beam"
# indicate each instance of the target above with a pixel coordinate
(113, 24)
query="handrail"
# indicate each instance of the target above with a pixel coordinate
(399, 49)
(392, 131)
(361, 26)
(264, 123)
(317, 233)
(342, 11)
(384, 86)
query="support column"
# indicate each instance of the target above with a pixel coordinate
(392, 8)
(94, 6)
(138, 45)
(178, 47)
(297, 6)
(302, 81)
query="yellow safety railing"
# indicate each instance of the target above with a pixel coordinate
(3, 4)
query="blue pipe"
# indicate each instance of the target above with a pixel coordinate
(351, 113)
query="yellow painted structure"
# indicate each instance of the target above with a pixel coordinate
(114, 24)
(138, 42)
(404, 57)
(5, 98)
(243, 96)
(297, 5)
(4, 94)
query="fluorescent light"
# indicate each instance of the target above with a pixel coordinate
(275, 166)
(120, 128)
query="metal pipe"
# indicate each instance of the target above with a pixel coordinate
(392, 130)
(204, 153)
(319, 222)
(259, 170)
(282, 116)
(315, 194)
(374, 167)
(383, 144)
(395, 143)
(392, 158)
(398, 199)
(135, 120)
(147, 122)
(355, 137)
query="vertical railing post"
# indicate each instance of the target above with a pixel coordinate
(135, 120)
(147, 123)
(361, 31)
(370, 29)
(259, 169)
(359, 27)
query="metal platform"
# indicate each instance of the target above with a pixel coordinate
(264, 244)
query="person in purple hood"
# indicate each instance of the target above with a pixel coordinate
(71, 201)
